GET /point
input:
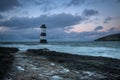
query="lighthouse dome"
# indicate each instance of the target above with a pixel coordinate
(43, 26)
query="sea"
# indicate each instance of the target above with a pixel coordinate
(99, 48)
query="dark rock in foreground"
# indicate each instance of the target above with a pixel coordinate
(109, 67)
(6, 60)
(113, 37)
(8, 50)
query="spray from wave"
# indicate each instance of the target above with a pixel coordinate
(96, 49)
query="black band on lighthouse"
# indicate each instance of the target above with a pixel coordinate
(43, 34)
(43, 41)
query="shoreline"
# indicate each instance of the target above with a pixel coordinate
(74, 54)
(77, 66)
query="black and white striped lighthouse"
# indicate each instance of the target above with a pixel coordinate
(43, 34)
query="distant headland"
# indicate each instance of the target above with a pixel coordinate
(113, 37)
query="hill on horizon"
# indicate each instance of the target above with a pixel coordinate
(112, 37)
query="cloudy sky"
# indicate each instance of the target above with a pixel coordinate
(66, 20)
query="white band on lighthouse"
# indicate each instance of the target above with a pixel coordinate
(43, 30)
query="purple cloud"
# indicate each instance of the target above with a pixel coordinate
(107, 19)
(98, 28)
(90, 12)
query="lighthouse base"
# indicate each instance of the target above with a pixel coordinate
(43, 41)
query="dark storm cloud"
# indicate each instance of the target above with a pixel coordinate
(76, 2)
(91, 35)
(8, 37)
(8, 4)
(19, 22)
(42, 2)
(19, 35)
(1, 17)
(90, 12)
(61, 20)
(58, 33)
(98, 28)
(118, 0)
(85, 36)
(107, 19)
(58, 20)
(46, 5)
(22, 28)
(112, 29)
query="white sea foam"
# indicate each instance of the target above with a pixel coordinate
(55, 77)
(20, 68)
(75, 49)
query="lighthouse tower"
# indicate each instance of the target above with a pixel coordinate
(43, 34)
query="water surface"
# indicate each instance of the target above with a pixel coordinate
(102, 48)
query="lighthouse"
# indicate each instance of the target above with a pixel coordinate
(43, 34)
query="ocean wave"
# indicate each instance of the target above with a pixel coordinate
(80, 50)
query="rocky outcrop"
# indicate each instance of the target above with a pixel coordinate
(8, 50)
(6, 60)
(43, 64)
(109, 68)
(113, 37)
